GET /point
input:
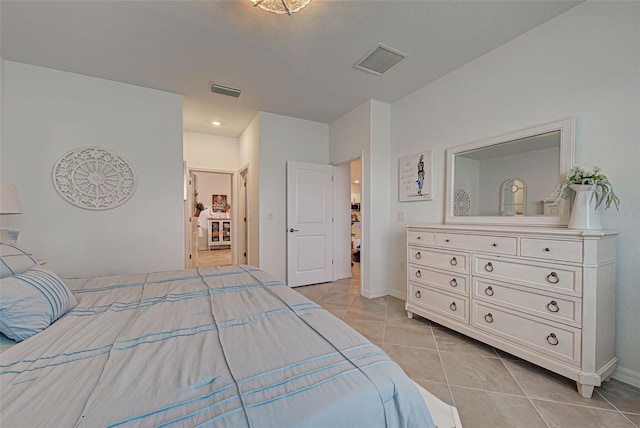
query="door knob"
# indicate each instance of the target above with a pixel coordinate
(293, 230)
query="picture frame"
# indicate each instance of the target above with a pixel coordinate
(415, 177)
(219, 203)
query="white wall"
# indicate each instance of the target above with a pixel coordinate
(213, 183)
(583, 63)
(249, 156)
(283, 139)
(365, 132)
(45, 114)
(210, 152)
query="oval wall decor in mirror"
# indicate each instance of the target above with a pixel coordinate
(94, 178)
(538, 156)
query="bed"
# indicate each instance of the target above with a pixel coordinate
(222, 346)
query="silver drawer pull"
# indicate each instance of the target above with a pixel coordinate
(418, 274)
(553, 306)
(453, 306)
(546, 250)
(489, 291)
(453, 282)
(418, 255)
(454, 261)
(489, 318)
(552, 340)
(418, 294)
(553, 278)
(488, 267)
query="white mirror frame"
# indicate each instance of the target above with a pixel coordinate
(567, 153)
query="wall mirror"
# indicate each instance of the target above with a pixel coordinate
(507, 179)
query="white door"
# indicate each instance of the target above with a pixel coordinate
(309, 223)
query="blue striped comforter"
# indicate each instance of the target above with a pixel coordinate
(223, 346)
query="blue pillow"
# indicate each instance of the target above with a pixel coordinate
(14, 259)
(31, 301)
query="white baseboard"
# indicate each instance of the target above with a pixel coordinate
(402, 295)
(343, 275)
(369, 295)
(627, 376)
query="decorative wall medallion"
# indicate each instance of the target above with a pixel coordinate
(462, 204)
(94, 178)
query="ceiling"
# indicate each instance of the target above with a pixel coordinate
(299, 65)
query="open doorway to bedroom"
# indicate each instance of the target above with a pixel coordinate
(356, 216)
(214, 198)
(348, 222)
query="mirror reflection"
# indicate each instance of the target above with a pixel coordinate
(508, 179)
(513, 197)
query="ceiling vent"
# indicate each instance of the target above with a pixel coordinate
(379, 60)
(225, 90)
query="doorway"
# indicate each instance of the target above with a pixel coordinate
(214, 198)
(356, 216)
(348, 221)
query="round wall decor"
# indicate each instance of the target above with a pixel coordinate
(462, 203)
(94, 178)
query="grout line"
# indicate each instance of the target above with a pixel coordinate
(614, 406)
(446, 378)
(525, 393)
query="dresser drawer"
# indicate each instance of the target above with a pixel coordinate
(543, 276)
(552, 307)
(454, 261)
(447, 305)
(548, 338)
(420, 237)
(568, 251)
(447, 281)
(489, 244)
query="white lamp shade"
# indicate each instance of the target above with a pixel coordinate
(9, 202)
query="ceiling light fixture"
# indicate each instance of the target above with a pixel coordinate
(281, 7)
(216, 123)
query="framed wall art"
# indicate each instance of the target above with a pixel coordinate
(415, 177)
(219, 203)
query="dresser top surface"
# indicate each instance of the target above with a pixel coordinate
(523, 230)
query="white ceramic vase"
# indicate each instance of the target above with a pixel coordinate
(584, 213)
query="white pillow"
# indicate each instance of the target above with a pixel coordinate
(14, 259)
(31, 301)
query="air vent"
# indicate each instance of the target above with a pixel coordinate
(379, 60)
(225, 90)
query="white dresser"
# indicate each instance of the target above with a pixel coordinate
(546, 295)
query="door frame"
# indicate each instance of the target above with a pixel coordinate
(362, 207)
(243, 234)
(234, 214)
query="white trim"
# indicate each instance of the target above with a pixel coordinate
(627, 376)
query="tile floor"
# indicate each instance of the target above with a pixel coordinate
(490, 388)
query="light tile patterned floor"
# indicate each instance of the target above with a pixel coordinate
(490, 388)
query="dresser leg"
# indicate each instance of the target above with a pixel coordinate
(585, 390)
(409, 314)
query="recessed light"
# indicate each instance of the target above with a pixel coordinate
(357, 182)
(216, 123)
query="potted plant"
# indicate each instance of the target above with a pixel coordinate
(593, 191)
(199, 207)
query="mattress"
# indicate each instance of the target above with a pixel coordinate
(222, 346)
